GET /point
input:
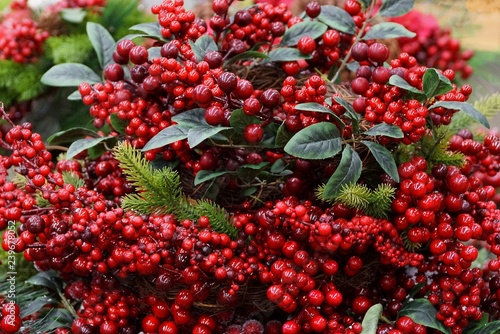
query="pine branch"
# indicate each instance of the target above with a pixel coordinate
(354, 196)
(73, 178)
(380, 201)
(435, 148)
(160, 191)
(69, 48)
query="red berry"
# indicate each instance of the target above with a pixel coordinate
(253, 133)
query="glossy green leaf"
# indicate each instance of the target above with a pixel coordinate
(316, 142)
(434, 83)
(287, 54)
(84, 144)
(103, 43)
(394, 8)
(190, 118)
(75, 96)
(278, 166)
(151, 29)
(483, 326)
(69, 75)
(349, 112)
(154, 52)
(388, 30)
(206, 175)
(384, 129)
(316, 107)
(282, 136)
(348, 171)
(118, 124)
(36, 305)
(73, 15)
(397, 81)
(200, 133)
(55, 318)
(338, 19)
(70, 135)
(384, 158)
(239, 120)
(312, 29)
(424, 313)
(466, 108)
(203, 45)
(370, 320)
(166, 136)
(48, 279)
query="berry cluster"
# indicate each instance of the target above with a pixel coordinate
(258, 245)
(10, 321)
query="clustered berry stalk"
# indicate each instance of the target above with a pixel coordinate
(246, 193)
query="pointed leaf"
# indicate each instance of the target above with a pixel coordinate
(370, 320)
(239, 120)
(384, 129)
(348, 171)
(316, 107)
(48, 279)
(384, 158)
(434, 83)
(338, 19)
(287, 54)
(70, 135)
(84, 144)
(424, 313)
(200, 133)
(350, 112)
(388, 30)
(206, 175)
(203, 45)
(397, 81)
(103, 43)
(69, 75)
(466, 108)
(317, 141)
(151, 29)
(190, 118)
(296, 32)
(258, 166)
(55, 318)
(154, 52)
(394, 8)
(282, 136)
(118, 124)
(73, 15)
(278, 166)
(36, 305)
(75, 96)
(483, 326)
(166, 136)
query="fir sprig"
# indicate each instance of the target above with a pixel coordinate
(160, 191)
(489, 106)
(380, 201)
(354, 196)
(69, 48)
(434, 147)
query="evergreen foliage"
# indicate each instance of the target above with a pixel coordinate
(68, 48)
(19, 82)
(160, 191)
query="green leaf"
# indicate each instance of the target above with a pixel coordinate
(365, 3)
(278, 166)
(287, 54)
(349, 111)
(245, 56)
(384, 158)
(466, 108)
(206, 175)
(151, 29)
(384, 129)
(347, 172)
(424, 313)
(84, 144)
(316, 107)
(370, 320)
(70, 135)
(118, 124)
(317, 141)
(55, 318)
(483, 326)
(73, 15)
(394, 8)
(239, 120)
(282, 136)
(69, 75)
(258, 166)
(36, 305)
(75, 96)
(203, 45)
(397, 81)
(312, 29)
(190, 118)
(200, 133)
(338, 19)
(48, 279)
(388, 30)
(434, 83)
(154, 52)
(166, 136)
(103, 43)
